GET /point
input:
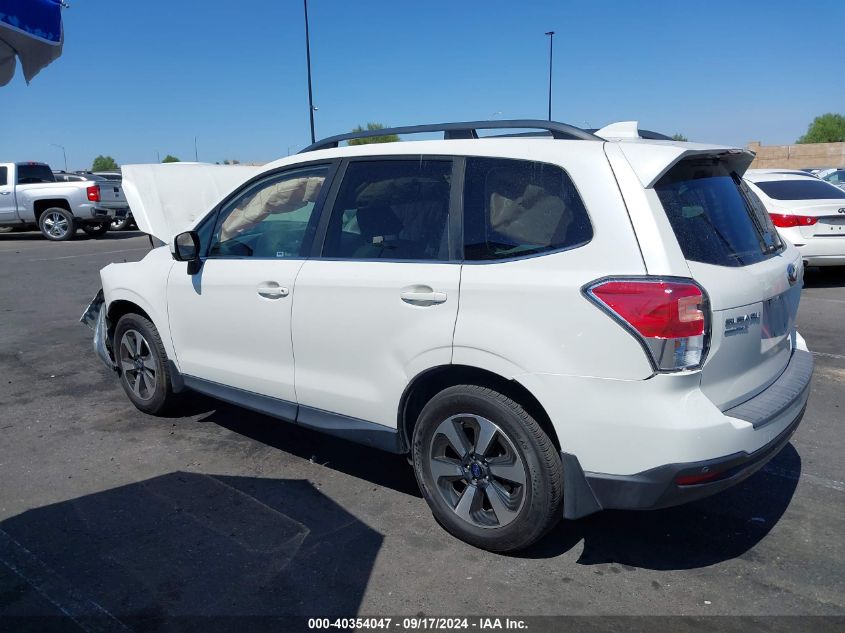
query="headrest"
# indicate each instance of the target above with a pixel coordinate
(378, 222)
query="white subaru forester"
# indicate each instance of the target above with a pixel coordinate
(548, 325)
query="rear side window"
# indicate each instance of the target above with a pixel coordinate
(714, 218)
(800, 190)
(29, 174)
(391, 209)
(4, 176)
(515, 208)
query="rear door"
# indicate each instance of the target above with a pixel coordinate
(753, 280)
(380, 301)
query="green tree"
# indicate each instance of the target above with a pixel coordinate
(385, 138)
(679, 137)
(827, 128)
(104, 163)
(171, 159)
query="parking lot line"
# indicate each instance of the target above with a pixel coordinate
(50, 259)
(828, 355)
(89, 615)
(796, 476)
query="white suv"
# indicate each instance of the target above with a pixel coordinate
(547, 326)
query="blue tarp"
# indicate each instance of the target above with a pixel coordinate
(38, 18)
(32, 31)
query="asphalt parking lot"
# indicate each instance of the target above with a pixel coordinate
(107, 512)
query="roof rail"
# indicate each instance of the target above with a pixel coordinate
(463, 130)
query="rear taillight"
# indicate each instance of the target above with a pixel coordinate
(670, 317)
(786, 221)
(94, 193)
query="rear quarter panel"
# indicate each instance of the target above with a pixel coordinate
(529, 315)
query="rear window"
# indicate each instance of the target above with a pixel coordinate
(800, 190)
(716, 219)
(4, 176)
(515, 208)
(28, 174)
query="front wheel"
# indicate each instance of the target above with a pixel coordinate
(490, 474)
(96, 230)
(142, 363)
(57, 224)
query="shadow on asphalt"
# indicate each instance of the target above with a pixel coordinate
(722, 527)
(381, 468)
(35, 236)
(832, 277)
(186, 544)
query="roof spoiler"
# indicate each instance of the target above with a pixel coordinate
(650, 161)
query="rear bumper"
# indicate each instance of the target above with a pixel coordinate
(780, 407)
(823, 251)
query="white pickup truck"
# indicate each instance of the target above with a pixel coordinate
(31, 197)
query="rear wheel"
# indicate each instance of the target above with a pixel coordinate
(96, 230)
(57, 224)
(142, 363)
(490, 474)
(121, 224)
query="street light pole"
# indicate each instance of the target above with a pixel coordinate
(64, 153)
(308, 61)
(196, 153)
(551, 35)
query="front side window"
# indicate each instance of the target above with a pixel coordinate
(271, 218)
(391, 209)
(515, 208)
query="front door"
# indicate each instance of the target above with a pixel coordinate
(230, 322)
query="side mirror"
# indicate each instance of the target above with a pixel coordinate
(186, 248)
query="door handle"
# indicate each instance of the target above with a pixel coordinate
(5, 193)
(272, 290)
(423, 297)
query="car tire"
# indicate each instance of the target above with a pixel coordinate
(142, 364)
(471, 440)
(57, 224)
(121, 225)
(96, 230)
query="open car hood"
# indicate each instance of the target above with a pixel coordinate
(167, 199)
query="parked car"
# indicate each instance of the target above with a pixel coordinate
(809, 212)
(31, 197)
(625, 339)
(123, 220)
(836, 177)
(110, 181)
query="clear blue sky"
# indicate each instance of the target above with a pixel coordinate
(146, 76)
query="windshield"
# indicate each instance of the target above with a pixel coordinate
(714, 216)
(803, 189)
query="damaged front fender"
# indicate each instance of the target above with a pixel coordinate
(95, 318)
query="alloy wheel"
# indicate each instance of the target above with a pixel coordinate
(138, 364)
(56, 224)
(477, 470)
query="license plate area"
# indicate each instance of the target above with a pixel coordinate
(830, 226)
(777, 318)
